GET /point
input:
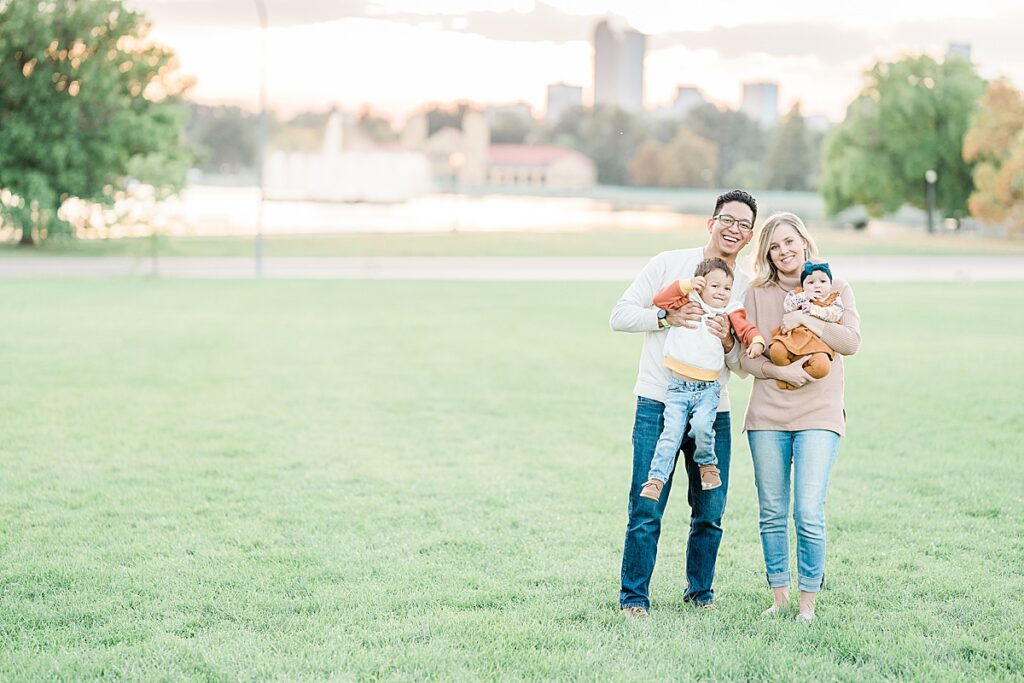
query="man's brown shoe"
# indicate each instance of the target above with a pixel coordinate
(634, 612)
(710, 477)
(652, 489)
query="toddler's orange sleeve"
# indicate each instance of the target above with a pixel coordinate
(674, 295)
(745, 330)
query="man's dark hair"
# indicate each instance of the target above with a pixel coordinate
(736, 196)
(709, 264)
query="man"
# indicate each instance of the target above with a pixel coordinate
(730, 229)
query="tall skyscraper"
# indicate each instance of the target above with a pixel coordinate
(562, 96)
(619, 66)
(687, 97)
(761, 103)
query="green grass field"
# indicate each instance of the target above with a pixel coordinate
(298, 480)
(508, 244)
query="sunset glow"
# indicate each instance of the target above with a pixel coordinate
(394, 57)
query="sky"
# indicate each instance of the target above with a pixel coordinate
(394, 55)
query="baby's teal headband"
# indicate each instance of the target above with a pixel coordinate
(810, 267)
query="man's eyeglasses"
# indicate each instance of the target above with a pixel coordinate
(728, 221)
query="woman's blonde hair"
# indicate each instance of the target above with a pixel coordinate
(764, 270)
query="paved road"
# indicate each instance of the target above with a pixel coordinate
(854, 268)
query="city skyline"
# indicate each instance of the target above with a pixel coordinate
(350, 53)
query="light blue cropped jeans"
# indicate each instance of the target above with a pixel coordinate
(806, 459)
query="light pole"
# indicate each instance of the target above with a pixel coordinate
(457, 161)
(930, 177)
(261, 141)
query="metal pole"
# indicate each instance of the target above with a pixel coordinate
(930, 177)
(153, 245)
(261, 143)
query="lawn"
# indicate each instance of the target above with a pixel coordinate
(508, 244)
(292, 480)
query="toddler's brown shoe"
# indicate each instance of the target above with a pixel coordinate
(710, 477)
(652, 489)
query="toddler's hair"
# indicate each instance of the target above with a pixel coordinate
(709, 264)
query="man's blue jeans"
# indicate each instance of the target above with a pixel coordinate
(809, 455)
(644, 526)
(695, 403)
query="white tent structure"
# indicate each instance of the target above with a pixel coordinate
(332, 174)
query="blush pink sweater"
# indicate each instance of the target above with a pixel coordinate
(816, 405)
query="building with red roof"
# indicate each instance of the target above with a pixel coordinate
(539, 166)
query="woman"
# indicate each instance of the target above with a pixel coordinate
(794, 434)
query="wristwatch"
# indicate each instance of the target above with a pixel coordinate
(662, 319)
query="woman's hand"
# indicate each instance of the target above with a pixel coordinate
(793, 320)
(793, 373)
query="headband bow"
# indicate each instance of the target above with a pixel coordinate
(810, 267)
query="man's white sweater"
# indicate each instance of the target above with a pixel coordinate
(635, 312)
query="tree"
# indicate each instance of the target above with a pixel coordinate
(737, 137)
(84, 99)
(909, 118)
(689, 161)
(510, 128)
(607, 134)
(789, 163)
(376, 128)
(304, 132)
(747, 174)
(645, 166)
(439, 116)
(995, 143)
(223, 138)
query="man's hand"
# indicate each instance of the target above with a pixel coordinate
(793, 320)
(720, 326)
(698, 283)
(687, 315)
(755, 350)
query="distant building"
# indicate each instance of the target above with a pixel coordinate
(687, 97)
(476, 138)
(561, 98)
(539, 166)
(521, 109)
(445, 150)
(962, 50)
(414, 135)
(761, 103)
(465, 159)
(619, 67)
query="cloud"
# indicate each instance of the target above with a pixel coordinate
(993, 42)
(543, 24)
(236, 13)
(829, 43)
